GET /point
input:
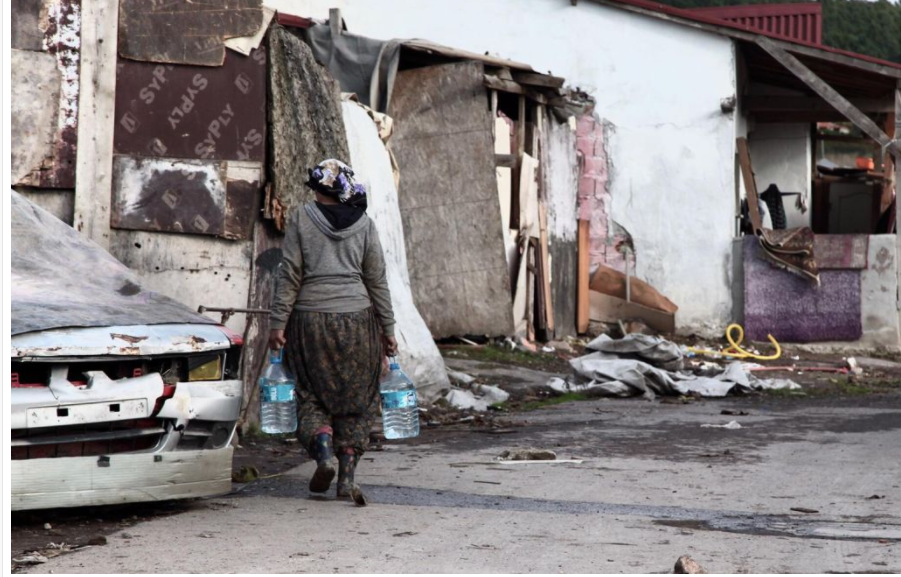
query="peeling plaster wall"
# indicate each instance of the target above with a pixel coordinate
(878, 293)
(672, 152)
(194, 270)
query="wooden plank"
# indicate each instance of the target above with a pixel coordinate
(583, 304)
(811, 103)
(495, 83)
(815, 83)
(888, 165)
(744, 161)
(545, 267)
(543, 80)
(519, 135)
(898, 188)
(96, 113)
(610, 309)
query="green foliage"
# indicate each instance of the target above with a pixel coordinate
(872, 28)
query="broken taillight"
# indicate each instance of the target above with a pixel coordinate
(233, 337)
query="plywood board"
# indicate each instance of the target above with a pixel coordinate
(182, 31)
(185, 196)
(165, 111)
(444, 145)
(35, 87)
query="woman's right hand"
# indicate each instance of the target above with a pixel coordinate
(277, 339)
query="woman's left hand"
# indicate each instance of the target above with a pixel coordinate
(390, 346)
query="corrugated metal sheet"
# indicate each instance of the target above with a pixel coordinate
(796, 21)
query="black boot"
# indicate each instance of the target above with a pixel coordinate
(325, 470)
(347, 465)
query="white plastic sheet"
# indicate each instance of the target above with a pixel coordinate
(419, 356)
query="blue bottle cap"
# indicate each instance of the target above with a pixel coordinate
(393, 365)
(275, 357)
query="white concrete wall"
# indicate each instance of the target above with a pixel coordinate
(658, 83)
(878, 294)
(781, 155)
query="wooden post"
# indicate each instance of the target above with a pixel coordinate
(96, 120)
(898, 188)
(744, 160)
(583, 303)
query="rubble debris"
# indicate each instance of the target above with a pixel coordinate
(736, 413)
(32, 558)
(685, 565)
(854, 366)
(653, 350)
(608, 374)
(246, 474)
(804, 510)
(874, 497)
(729, 425)
(48, 526)
(463, 399)
(491, 393)
(460, 378)
(528, 455)
(561, 346)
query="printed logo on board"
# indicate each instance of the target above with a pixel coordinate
(242, 81)
(170, 197)
(130, 122)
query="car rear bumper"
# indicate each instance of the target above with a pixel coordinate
(117, 479)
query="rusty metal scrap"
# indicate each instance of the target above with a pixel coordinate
(54, 27)
(184, 32)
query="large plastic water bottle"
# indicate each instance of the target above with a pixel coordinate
(400, 413)
(278, 408)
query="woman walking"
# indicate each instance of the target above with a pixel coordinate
(332, 313)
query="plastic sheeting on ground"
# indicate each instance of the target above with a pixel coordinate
(419, 356)
(606, 374)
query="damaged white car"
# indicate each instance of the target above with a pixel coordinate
(119, 394)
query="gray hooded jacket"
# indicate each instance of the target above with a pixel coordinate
(331, 271)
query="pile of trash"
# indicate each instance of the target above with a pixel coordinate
(646, 365)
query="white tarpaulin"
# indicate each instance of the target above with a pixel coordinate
(419, 357)
(605, 373)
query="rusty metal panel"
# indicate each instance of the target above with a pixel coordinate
(56, 30)
(182, 31)
(169, 111)
(186, 196)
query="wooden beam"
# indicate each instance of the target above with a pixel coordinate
(96, 120)
(898, 189)
(815, 83)
(543, 80)
(744, 161)
(496, 83)
(888, 167)
(812, 103)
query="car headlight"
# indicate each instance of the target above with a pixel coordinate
(205, 369)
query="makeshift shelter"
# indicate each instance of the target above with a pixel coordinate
(660, 173)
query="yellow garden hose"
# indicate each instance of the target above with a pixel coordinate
(735, 351)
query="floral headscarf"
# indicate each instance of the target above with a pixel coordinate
(333, 178)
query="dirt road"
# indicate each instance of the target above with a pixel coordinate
(652, 484)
